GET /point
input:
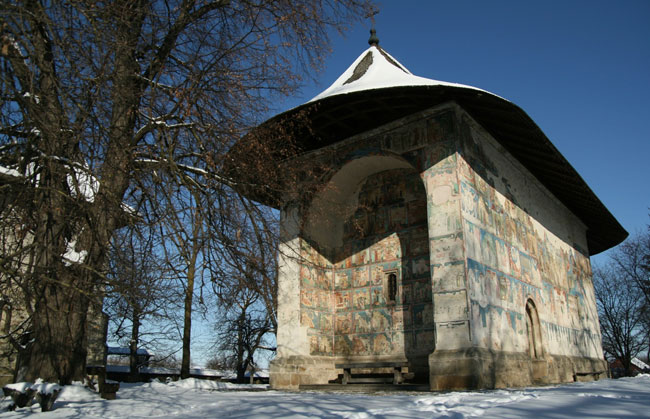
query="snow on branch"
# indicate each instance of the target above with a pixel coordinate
(187, 168)
(9, 172)
(154, 83)
(161, 122)
(71, 255)
(34, 97)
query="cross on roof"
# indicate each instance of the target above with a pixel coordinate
(373, 33)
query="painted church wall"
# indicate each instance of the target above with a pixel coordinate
(522, 243)
(388, 227)
(345, 300)
(447, 252)
(496, 237)
(470, 236)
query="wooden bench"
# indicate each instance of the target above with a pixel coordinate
(397, 366)
(596, 374)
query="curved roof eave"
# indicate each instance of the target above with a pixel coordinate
(377, 89)
(337, 117)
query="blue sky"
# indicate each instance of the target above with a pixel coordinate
(580, 69)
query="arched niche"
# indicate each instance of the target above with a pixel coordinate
(367, 233)
(534, 333)
(338, 199)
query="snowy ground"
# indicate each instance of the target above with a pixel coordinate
(623, 398)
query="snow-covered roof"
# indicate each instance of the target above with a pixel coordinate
(376, 69)
(640, 364)
(376, 89)
(81, 181)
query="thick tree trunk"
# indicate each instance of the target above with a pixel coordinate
(57, 350)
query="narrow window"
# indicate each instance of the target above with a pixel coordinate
(392, 288)
(534, 332)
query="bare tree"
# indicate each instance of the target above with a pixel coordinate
(92, 94)
(139, 292)
(243, 250)
(621, 312)
(243, 328)
(184, 235)
(632, 259)
(242, 331)
(244, 271)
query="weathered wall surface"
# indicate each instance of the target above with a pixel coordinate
(448, 281)
(371, 220)
(471, 237)
(521, 244)
(346, 302)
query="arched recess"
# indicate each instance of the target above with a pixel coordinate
(365, 283)
(338, 199)
(534, 333)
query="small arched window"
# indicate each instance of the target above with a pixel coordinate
(392, 288)
(533, 330)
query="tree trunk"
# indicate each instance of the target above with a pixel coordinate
(187, 323)
(241, 365)
(57, 350)
(134, 370)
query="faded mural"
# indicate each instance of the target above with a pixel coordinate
(511, 257)
(470, 237)
(346, 300)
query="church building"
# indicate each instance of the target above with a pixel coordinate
(447, 235)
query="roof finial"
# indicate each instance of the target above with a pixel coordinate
(373, 33)
(373, 40)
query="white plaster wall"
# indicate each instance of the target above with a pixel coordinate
(291, 336)
(447, 253)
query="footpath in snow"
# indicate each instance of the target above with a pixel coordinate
(192, 398)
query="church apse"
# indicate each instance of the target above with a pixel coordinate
(364, 275)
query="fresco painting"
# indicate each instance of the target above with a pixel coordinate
(363, 322)
(511, 257)
(320, 345)
(448, 276)
(362, 299)
(342, 300)
(387, 233)
(466, 256)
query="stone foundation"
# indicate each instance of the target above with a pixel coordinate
(477, 368)
(289, 373)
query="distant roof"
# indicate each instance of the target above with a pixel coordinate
(376, 89)
(121, 350)
(640, 364)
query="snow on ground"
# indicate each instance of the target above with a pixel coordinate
(192, 398)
